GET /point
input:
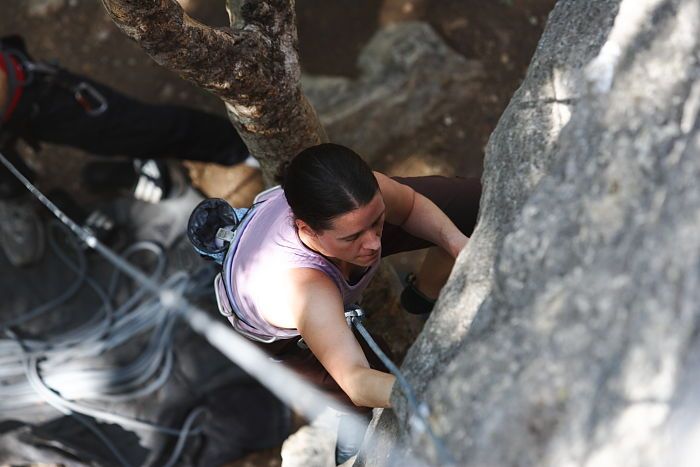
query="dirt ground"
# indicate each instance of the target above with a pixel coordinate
(501, 33)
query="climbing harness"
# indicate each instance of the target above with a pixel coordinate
(85, 94)
(14, 84)
(90, 99)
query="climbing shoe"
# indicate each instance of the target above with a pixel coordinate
(148, 180)
(154, 182)
(413, 300)
(22, 236)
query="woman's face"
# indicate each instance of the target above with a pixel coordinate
(355, 237)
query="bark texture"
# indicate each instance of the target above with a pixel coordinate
(252, 66)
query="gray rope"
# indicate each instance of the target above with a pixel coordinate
(82, 420)
(114, 328)
(419, 411)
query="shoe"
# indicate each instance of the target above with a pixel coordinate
(148, 180)
(22, 236)
(413, 300)
(153, 183)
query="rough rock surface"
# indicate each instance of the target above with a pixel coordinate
(567, 334)
(405, 70)
(314, 444)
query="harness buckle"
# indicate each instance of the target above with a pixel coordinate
(302, 344)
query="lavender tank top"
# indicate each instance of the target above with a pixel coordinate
(268, 245)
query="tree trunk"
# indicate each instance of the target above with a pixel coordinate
(252, 66)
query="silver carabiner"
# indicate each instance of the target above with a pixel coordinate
(353, 311)
(86, 95)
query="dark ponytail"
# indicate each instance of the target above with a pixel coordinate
(325, 181)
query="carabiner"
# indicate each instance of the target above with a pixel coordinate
(87, 96)
(354, 311)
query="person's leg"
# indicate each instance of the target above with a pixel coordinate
(433, 272)
(129, 127)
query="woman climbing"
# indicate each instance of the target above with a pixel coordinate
(309, 248)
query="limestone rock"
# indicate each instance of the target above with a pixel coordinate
(409, 77)
(312, 445)
(567, 334)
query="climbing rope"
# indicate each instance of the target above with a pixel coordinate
(419, 411)
(169, 296)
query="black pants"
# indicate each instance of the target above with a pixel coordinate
(49, 113)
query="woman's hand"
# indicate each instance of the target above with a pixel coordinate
(457, 244)
(317, 308)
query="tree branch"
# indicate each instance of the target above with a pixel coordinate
(174, 40)
(253, 67)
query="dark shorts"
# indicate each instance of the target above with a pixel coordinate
(459, 199)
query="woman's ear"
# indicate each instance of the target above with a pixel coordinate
(304, 228)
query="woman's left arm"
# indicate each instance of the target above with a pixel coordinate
(419, 216)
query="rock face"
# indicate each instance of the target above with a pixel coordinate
(406, 70)
(567, 334)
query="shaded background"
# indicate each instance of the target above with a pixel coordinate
(501, 34)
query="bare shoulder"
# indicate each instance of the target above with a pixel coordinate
(296, 291)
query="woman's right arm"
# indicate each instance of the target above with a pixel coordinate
(319, 315)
